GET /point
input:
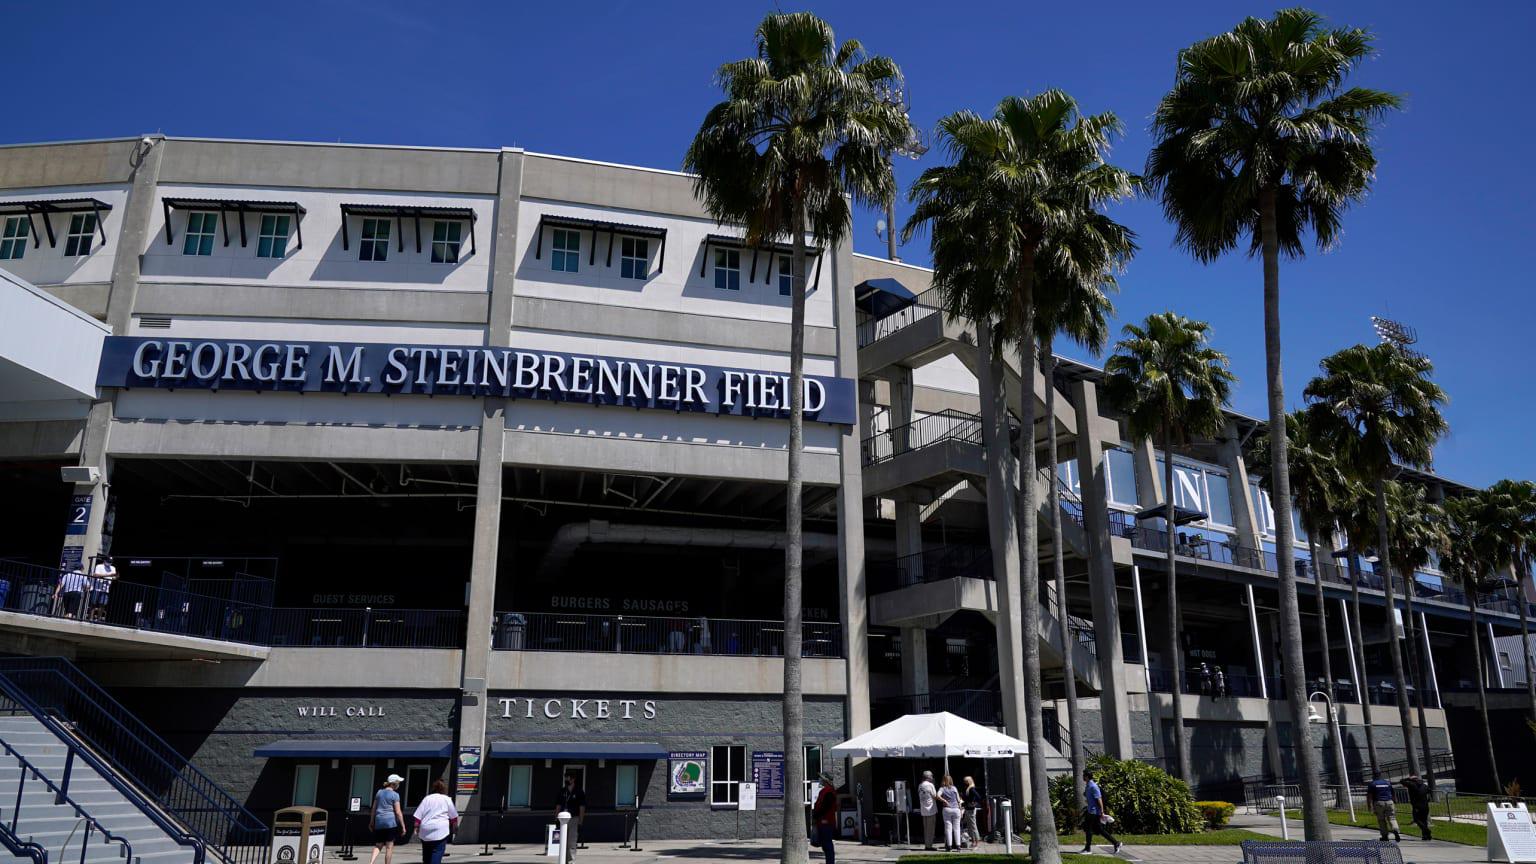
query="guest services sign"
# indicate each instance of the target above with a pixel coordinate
(457, 370)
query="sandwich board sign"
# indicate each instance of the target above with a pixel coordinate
(746, 796)
(1511, 837)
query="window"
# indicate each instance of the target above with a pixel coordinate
(1504, 660)
(1122, 477)
(634, 258)
(727, 768)
(273, 241)
(446, 238)
(13, 240)
(626, 786)
(519, 785)
(82, 233)
(1066, 472)
(728, 269)
(812, 755)
(306, 779)
(567, 255)
(199, 236)
(1219, 498)
(360, 787)
(375, 243)
(786, 276)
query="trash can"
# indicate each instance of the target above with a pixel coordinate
(298, 835)
(509, 635)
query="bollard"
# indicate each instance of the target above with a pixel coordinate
(1285, 827)
(564, 818)
(485, 852)
(1008, 825)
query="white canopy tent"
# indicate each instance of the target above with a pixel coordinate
(932, 736)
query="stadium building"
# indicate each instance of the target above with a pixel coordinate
(414, 458)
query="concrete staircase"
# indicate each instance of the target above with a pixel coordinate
(56, 826)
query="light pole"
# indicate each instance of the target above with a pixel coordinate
(1338, 741)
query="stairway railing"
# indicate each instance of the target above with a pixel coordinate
(131, 756)
(60, 792)
(875, 329)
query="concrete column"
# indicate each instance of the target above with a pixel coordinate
(1244, 518)
(486, 543)
(909, 515)
(1149, 480)
(1114, 701)
(132, 230)
(1002, 481)
(914, 665)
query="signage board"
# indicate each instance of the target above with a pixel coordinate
(354, 805)
(686, 774)
(903, 801)
(746, 797)
(79, 513)
(1511, 836)
(551, 841)
(768, 773)
(459, 370)
(468, 778)
(72, 559)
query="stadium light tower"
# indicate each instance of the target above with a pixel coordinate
(1397, 333)
(914, 147)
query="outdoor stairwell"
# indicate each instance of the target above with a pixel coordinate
(64, 827)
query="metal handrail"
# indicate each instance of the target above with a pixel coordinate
(925, 431)
(874, 329)
(61, 796)
(135, 751)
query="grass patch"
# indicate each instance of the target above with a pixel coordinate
(999, 858)
(1454, 832)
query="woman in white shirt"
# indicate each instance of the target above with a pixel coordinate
(436, 820)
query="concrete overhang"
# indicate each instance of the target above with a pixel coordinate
(85, 641)
(659, 673)
(49, 350)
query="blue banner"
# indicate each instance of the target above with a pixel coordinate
(462, 370)
(768, 773)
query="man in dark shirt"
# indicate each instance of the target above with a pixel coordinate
(572, 800)
(824, 817)
(1418, 799)
(1379, 793)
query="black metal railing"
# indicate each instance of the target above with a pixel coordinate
(367, 628)
(133, 758)
(978, 706)
(639, 634)
(934, 564)
(925, 431)
(60, 797)
(1228, 686)
(875, 329)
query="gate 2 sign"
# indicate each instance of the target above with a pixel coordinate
(459, 370)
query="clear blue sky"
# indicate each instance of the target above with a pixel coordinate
(1438, 244)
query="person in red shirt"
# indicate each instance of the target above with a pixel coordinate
(824, 817)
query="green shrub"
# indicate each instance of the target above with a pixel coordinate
(1216, 813)
(1143, 799)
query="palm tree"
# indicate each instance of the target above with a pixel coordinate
(1356, 517)
(805, 126)
(1259, 138)
(1078, 307)
(1471, 547)
(1416, 527)
(1378, 409)
(1515, 502)
(1171, 385)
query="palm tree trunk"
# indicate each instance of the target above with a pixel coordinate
(1482, 693)
(1394, 650)
(794, 846)
(1068, 642)
(1323, 645)
(1420, 679)
(1314, 814)
(1363, 696)
(1525, 633)
(1042, 839)
(1175, 645)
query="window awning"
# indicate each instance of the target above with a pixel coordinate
(46, 206)
(727, 241)
(881, 297)
(319, 748)
(400, 212)
(598, 226)
(577, 750)
(225, 206)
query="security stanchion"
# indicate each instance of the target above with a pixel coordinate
(487, 850)
(501, 817)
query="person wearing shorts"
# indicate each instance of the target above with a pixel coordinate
(386, 821)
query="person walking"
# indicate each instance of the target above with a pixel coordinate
(1220, 683)
(385, 820)
(1205, 679)
(1379, 793)
(824, 817)
(436, 820)
(572, 800)
(1096, 818)
(1418, 800)
(949, 796)
(927, 807)
(973, 801)
(69, 594)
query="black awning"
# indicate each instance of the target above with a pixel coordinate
(727, 241)
(881, 297)
(1181, 515)
(400, 212)
(239, 206)
(46, 206)
(599, 226)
